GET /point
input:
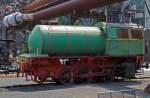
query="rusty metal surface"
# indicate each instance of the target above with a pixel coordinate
(136, 34)
(123, 33)
(33, 7)
(35, 4)
(70, 6)
(41, 4)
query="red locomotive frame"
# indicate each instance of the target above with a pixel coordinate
(78, 68)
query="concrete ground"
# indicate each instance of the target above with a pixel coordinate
(87, 90)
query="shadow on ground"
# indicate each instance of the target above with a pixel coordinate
(106, 86)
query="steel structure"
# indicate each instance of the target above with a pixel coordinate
(125, 12)
(56, 11)
(5, 40)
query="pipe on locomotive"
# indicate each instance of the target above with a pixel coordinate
(55, 11)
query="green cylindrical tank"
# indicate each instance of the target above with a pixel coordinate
(66, 40)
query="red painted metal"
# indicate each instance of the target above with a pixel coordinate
(42, 41)
(68, 40)
(86, 33)
(87, 67)
(51, 40)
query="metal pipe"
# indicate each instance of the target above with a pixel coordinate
(56, 11)
(37, 5)
(70, 6)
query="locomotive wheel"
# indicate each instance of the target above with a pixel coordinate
(41, 80)
(64, 78)
(79, 80)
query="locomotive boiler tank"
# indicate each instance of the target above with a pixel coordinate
(66, 40)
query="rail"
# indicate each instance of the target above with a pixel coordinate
(121, 94)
